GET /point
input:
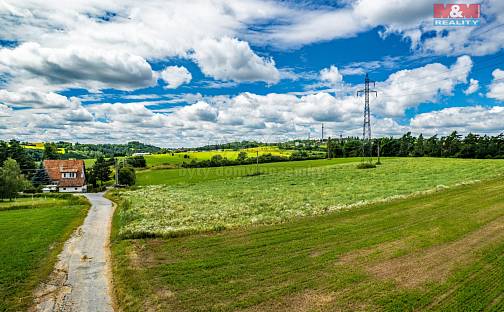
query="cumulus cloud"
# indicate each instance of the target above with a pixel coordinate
(395, 13)
(473, 87)
(175, 76)
(313, 26)
(128, 116)
(476, 119)
(4, 110)
(497, 87)
(30, 97)
(199, 111)
(331, 75)
(69, 67)
(408, 88)
(232, 59)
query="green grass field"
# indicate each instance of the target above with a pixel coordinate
(441, 250)
(29, 202)
(32, 234)
(284, 195)
(196, 175)
(178, 158)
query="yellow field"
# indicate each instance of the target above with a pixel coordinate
(180, 157)
(40, 146)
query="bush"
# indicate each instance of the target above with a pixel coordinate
(126, 176)
(366, 165)
(136, 161)
(96, 189)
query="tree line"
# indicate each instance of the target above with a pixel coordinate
(453, 145)
(244, 159)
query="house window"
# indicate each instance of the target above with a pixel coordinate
(69, 175)
(75, 189)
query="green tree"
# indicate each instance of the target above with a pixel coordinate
(101, 170)
(4, 151)
(51, 151)
(19, 154)
(126, 176)
(419, 148)
(242, 156)
(41, 177)
(136, 161)
(216, 159)
(11, 180)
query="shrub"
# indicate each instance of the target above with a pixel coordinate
(126, 176)
(366, 165)
(136, 161)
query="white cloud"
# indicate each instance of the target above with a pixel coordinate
(395, 13)
(128, 116)
(76, 67)
(497, 86)
(476, 119)
(199, 111)
(331, 75)
(312, 26)
(175, 76)
(30, 97)
(232, 59)
(408, 88)
(5, 110)
(473, 87)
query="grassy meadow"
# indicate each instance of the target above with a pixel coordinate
(437, 251)
(282, 195)
(32, 233)
(196, 175)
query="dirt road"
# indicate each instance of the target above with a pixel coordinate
(81, 280)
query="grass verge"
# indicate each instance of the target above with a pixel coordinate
(33, 235)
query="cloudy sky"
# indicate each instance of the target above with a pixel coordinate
(186, 73)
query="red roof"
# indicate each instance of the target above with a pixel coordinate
(55, 168)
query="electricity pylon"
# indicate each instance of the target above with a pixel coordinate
(367, 148)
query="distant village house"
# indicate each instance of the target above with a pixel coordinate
(67, 176)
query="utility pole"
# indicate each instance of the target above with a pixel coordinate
(257, 162)
(322, 132)
(116, 172)
(366, 129)
(379, 146)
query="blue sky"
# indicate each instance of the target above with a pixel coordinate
(184, 74)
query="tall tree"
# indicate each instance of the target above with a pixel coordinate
(19, 154)
(11, 179)
(41, 177)
(126, 176)
(101, 169)
(51, 151)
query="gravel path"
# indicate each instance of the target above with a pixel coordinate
(81, 279)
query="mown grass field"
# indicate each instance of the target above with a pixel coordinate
(196, 175)
(32, 233)
(271, 198)
(437, 251)
(31, 202)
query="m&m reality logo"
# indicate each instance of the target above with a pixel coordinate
(457, 14)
